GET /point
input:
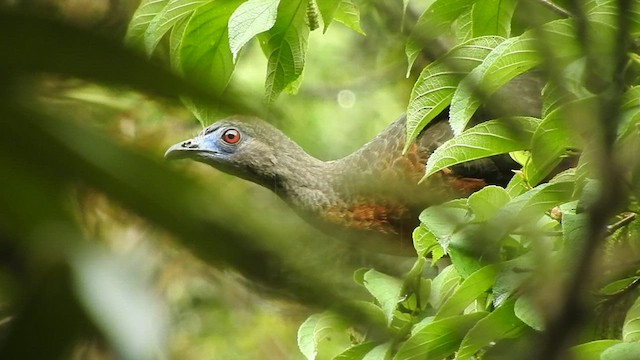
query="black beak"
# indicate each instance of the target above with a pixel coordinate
(184, 149)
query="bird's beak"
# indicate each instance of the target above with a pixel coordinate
(184, 149)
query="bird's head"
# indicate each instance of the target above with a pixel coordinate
(249, 148)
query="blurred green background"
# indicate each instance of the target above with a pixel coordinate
(353, 87)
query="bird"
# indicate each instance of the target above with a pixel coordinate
(374, 193)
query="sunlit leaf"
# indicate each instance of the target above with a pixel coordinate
(171, 14)
(250, 19)
(323, 336)
(433, 91)
(142, 18)
(423, 240)
(204, 55)
(470, 289)
(285, 45)
(328, 9)
(493, 17)
(348, 14)
(486, 139)
(385, 289)
(438, 339)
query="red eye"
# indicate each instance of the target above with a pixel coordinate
(231, 136)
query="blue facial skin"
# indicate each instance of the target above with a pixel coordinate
(214, 146)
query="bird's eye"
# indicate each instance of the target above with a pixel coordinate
(231, 136)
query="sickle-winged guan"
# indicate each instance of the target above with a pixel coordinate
(374, 190)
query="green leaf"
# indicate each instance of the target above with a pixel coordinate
(493, 17)
(618, 286)
(204, 54)
(443, 286)
(423, 240)
(433, 91)
(511, 58)
(175, 11)
(501, 323)
(631, 327)
(575, 230)
(438, 339)
(285, 45)
(433, 22)
(250, 19)
(142, 18)
(463, 26)
(443, 220)
(328, 9)
(380, 352)
(470, 289)
(357, 352)
(323, 336)
(529, 207)
(348, 14)
(591, 350)
(385, 289)
(554, 136)
(487, 201)
(175, 43)
(622, 351)
(526, 311)
(486, 139)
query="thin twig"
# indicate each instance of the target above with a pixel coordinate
(556, 8)
(623, 222)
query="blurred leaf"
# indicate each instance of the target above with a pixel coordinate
(78, 53)
(348, 14)
(438, 339)
(285, 45)
(631, 327)
(173, 12)
(469, 290)
(483, 140)
(499, 324)
(357, 352)
(204, 55)
(622, 351)
(323, 336)
(618, 286)
(250, 19)
(493, 17)
(591, 350)
(386, 289)
(433, 91)
(125, 309)
(526, 311)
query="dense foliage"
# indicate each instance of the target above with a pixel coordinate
(522, 259)
(544, 268)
